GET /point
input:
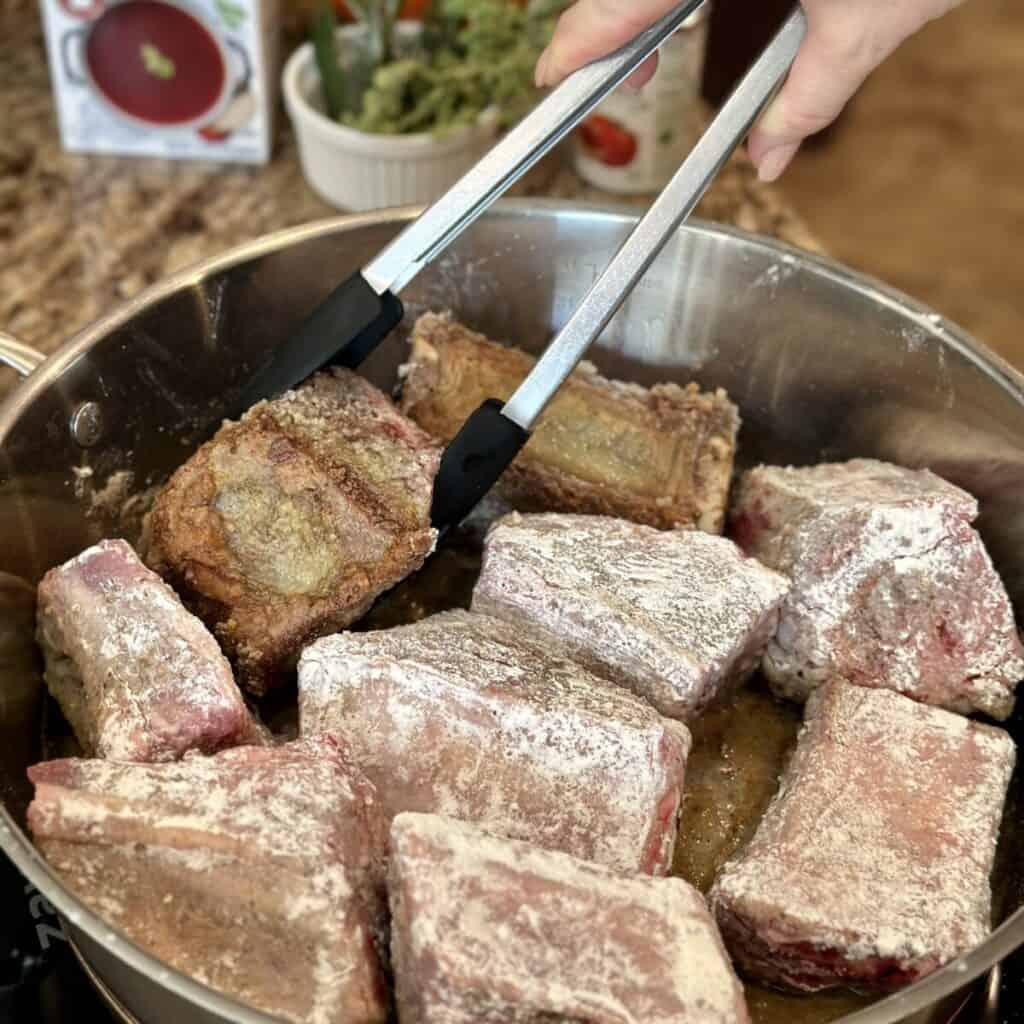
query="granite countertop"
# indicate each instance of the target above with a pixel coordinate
(78, 234)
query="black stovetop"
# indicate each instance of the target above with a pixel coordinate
(60, 994)
(41, 981)
(1011, 992)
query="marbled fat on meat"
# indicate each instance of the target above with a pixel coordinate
(871, 865)
(497, 930)
(258, 871)
(891, 585)
(476, 718)
(289, 523)
(137, 676)
(677, 617)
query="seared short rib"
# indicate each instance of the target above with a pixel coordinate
(289, 523)
(661, 456)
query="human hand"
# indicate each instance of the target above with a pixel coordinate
(846, 40)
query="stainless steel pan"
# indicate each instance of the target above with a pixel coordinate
(823, 363)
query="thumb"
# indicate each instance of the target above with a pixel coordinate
(591, 28)
(831, 65)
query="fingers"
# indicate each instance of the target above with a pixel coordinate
(770, 163)
(590, 29)
(643, 74)
(845, 42)
(833, 62)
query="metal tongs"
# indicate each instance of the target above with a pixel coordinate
(363, 310)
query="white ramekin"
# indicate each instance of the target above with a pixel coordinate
(357, 170)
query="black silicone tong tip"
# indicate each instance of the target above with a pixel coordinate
(354, 313)
(472, 463)
(342, 331)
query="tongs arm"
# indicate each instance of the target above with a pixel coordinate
(349, 324)
(493, 435)
(545, 126)
(657, 226)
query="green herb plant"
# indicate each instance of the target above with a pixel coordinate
(471, 56)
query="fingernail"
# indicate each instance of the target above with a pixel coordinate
(774, 121)
(635, 83)
(774, 162)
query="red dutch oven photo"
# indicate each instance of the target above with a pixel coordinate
(157, 63)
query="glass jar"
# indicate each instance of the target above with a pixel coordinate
(635, 142)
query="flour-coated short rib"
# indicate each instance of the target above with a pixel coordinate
(258, 871)
(475, 718)
(496, 930)
(661, 455)
(871, 866)
(137, 676)
(891, 585)
(676, 616)
(290, 522)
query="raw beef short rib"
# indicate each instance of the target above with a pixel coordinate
(675, 616)
(661, 456)
(488, 929)
(258, 871)
(472, 717)
(871, 865)
(137, 676)
(891, 585)
(290, 522)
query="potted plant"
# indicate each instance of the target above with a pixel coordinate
(389, 111)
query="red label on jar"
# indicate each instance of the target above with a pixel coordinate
(608, 140)
(635, 143)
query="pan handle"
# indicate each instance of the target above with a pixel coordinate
(18, 356)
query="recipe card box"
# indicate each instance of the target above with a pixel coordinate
(187, 79)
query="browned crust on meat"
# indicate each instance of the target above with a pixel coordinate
(354, 477)
(687, 437)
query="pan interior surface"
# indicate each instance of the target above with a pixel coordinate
(823, 365)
